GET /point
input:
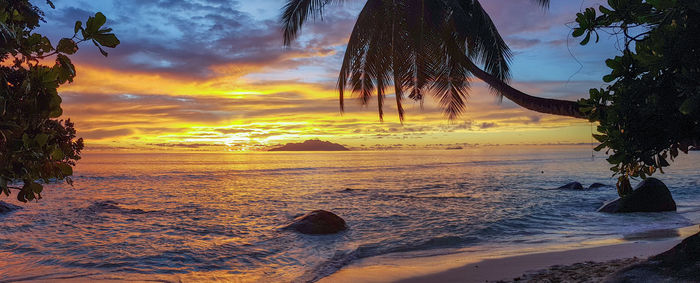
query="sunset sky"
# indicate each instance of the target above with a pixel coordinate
(214, 75)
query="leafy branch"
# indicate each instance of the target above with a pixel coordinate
(35, 146)
(650, 112)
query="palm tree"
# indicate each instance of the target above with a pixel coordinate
(423, 47)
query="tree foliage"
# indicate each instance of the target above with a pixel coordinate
(647, 115)
(651, 110)
(420, 47)
(36, 146)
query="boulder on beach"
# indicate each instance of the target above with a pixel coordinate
(651, 195)
(318, 222)
(8, 207)
(572, 186)
(679, 264)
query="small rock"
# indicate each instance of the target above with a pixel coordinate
(651, 195)
(8, 207)
(318, 222)
(572, 186)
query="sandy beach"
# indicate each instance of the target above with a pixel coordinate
(350, 141)
(551, 264)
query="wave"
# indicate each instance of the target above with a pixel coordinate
(108, 206)
(50, 276)
(305, 170)
(8, 207)
(433, 191)
(343, 258)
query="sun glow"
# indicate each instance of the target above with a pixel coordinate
(251, 98)
(135, 109)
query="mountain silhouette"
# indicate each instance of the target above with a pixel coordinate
(311, 145)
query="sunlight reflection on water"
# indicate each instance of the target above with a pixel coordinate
(215, 216)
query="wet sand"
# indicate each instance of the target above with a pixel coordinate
(589, 264)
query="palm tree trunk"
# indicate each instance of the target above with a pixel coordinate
(538, 104)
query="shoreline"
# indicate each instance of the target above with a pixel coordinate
(506, 265)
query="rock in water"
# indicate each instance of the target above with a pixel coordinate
(318, 222)
(572, 186)
(651, 195)
(8, 207)
(679, 264)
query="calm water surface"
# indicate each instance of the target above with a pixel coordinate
(205, 216)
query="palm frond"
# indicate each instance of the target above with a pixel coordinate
(485, 44)
(398, 67)
(451, 88)
(296, 12)
(421, 46)
(355, 52)
(543, 3)
(359, 65)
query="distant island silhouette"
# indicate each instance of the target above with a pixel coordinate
(311, 145)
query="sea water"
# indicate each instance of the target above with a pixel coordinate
(217, 216)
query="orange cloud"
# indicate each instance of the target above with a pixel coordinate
(144, 110)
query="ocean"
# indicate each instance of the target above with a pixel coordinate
(217, 216)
